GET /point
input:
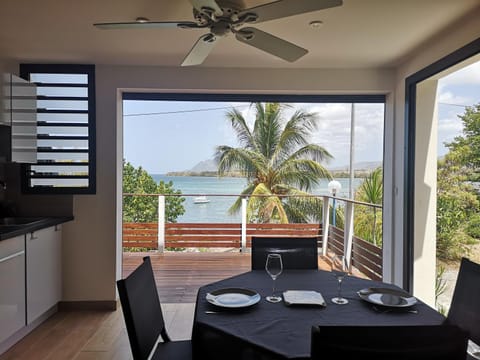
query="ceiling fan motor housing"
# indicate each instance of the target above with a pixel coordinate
(221, 28)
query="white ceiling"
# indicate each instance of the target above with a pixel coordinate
(359, 34)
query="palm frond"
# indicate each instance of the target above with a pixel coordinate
(371, 189)
(237, 205)
(296, 133)
(240, 126)
(265, 206)
(301, 207)
(302, 173)
(311, 151)
(245, 161)
(268, 127)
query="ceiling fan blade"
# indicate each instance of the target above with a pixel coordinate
(283, 8)
(146, 25)
(270, 44)
(211, 4)
(200, 50)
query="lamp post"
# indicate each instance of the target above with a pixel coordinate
(334, 187)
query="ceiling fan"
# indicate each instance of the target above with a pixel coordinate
(222, 17)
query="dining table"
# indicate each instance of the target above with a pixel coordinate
(266, 331)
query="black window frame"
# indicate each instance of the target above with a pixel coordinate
(89, 70)
(462, 54)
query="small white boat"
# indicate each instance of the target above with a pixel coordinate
(201, 200)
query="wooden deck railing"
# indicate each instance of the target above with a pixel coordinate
(210, 235)
(366, 257)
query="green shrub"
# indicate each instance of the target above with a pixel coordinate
(473, 227)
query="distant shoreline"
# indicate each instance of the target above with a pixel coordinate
(202, 173)
(335, 174)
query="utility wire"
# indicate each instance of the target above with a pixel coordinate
(464, 106)
(185, 111)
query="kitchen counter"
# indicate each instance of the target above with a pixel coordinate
(11, 228)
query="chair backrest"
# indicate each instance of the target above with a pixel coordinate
(465, 307)
(440, 342)
(142, 310)
(297, 252)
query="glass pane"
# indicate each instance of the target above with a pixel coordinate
(60, 182)
(63, 157)
(62, 91)
(60, 78)
(62, 130)
(63, 104)
(64, 144)
(70, 118)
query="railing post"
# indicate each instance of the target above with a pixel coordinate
(325, 224)
(348, 233)
(161, 224)
(244, 225)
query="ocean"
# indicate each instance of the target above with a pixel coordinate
(216, 211)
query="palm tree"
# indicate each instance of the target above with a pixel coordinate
(371, 191)
(278, 161)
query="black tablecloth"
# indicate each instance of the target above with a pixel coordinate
(278, 331)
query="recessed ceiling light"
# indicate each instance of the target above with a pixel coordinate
(315, 24)
(142, 20)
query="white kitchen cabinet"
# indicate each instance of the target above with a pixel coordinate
(44, 270)
(12, 286)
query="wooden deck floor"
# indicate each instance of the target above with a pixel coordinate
(179, 275)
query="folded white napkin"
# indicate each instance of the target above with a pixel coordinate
(303, 297)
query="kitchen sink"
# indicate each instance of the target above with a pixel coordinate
(17, 221)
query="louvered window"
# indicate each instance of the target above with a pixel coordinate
(66, 129)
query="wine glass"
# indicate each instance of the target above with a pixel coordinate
(274, 268)
(340, 270)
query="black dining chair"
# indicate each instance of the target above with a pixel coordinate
(436, 342)
(297, 252)
(144, 319)
(465, 307)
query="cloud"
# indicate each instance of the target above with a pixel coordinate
(468, 75)
(334, 131)
(448, 97)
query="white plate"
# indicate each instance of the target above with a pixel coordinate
(387, 297)
(233, 297)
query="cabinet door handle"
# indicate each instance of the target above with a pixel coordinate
(12, 256)
(33, 237)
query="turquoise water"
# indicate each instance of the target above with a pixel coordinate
(216, 211)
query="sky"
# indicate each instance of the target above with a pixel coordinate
(163, 136)
(455, 91)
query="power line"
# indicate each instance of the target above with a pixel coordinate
(464, 106)
(185, 111)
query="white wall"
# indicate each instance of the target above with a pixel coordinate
(425, 221)
(91, 241)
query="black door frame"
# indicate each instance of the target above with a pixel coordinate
(465, 52)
